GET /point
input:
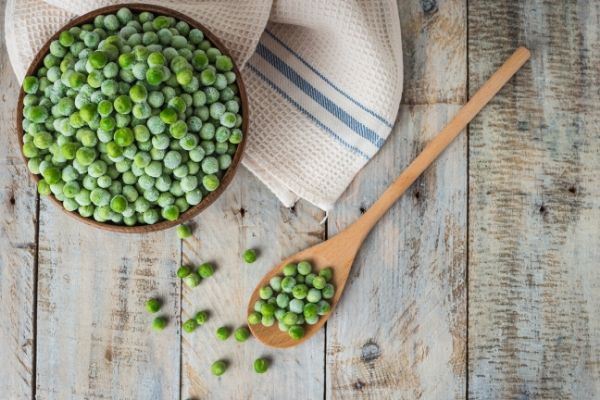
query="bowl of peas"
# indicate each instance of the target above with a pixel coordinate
(132, 118)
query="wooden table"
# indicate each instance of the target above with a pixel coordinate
(482, 282)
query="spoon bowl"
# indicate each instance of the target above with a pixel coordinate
(339, 251)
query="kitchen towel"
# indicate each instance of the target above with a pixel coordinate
(324, 79)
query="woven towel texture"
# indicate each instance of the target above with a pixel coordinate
(324, 79)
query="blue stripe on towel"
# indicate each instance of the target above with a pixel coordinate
(320, 75)
(306, 113)
(316, 95)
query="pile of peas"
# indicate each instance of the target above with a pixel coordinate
(297, 297)
(132, 119)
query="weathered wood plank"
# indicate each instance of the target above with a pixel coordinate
(94, 335)
(18, 220)
(534, 204)
(400, 330)
(246, 216)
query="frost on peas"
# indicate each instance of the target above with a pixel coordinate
(210, 165)
(104, 86)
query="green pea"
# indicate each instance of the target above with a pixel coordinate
(290, 269)
(210, 182)
(313, 295)
(218, 368)
(275, 283)
(201, 317)
(304, 267)
(241, 334)
(153, 305)
(267, 309)
(328, 291)
(66, 39)
(159, 323)
(326, 273)
(207, 77)
(184, 232)
(254, 318)
(323, 307)
(223, 333)
(296, 332)
(287, 284)
(97, 59)
(123, 104)
(300, 291)
(43, 187)
(296, 306)
(118, 203)
(138, 93)
(31, 84)
(170, 213)
(168, 115)
(155, 75)
(206, 270)
(183, 271)
(190, 325)
(192, 279)
(266, 292)
(319, 282)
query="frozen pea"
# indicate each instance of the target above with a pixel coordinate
(210, 165)
(172, 159)
(207, 131)
(210, 182)
(178, 129)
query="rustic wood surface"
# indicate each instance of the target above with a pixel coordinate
(516, 206)
(18, 249)
(534, 204)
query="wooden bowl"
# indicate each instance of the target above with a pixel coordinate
(211, 197)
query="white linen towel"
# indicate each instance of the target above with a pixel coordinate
(324, 79)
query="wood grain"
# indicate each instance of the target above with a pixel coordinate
(94, 337)
(534, 204)
(246, 216)
(18, 220)
(398, 332)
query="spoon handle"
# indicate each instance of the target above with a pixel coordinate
(440, 142)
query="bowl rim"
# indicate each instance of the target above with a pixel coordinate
(229, 174)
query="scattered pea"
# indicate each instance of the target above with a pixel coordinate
(218, 368)
(190, 325)
(261, 365)
(192, 279)
(183, 231)
(249, 256)
(201, 317)
(153, 305)
(183, 271)
(206, 270)
(159, 323)
(241, 334)
(223, 333)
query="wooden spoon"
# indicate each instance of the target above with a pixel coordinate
(339, 251)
